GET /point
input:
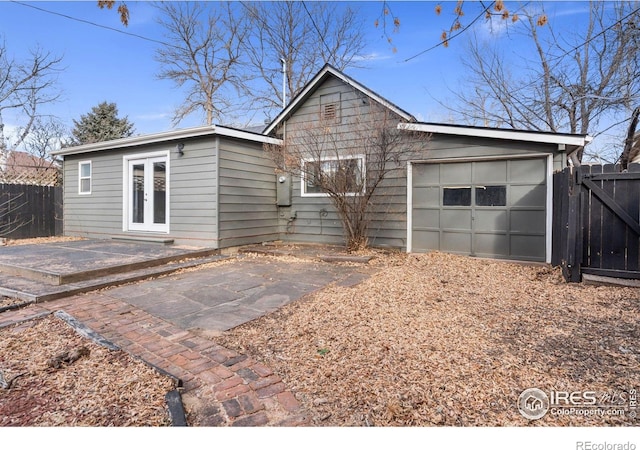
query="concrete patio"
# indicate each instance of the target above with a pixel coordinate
(215, 298)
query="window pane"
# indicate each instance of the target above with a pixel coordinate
(85, 170)
(137, 192)
(456, 196)
(85, 185)
(159, 192)
(344, 175)
(491, 195)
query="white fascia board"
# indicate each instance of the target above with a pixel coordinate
(312, 85)
(514, 135)
(168, 136)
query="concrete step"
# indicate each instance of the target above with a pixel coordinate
(68, 266)
(35, 291)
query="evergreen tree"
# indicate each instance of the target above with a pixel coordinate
(101, 124)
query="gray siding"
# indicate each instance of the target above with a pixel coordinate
(315, 218)
(192, 194)
(451, 147)
(247, 197)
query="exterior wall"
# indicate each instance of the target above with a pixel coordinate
(192, 194)
(316, 220)
(453, 147)
(247, 194)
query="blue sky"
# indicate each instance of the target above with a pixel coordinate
(105, 65)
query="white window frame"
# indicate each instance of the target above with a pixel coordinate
(81, 178)
(303, 175)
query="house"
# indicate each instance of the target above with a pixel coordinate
(468, 190)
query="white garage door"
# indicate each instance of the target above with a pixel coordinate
(493, 209)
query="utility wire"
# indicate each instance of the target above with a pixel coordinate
(88, 22)
(469, 25)
(597, 35)
(317, 28)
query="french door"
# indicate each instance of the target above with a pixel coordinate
(148, 194)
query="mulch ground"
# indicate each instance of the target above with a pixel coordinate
(51, 376)
(428, 340)
(447, 340)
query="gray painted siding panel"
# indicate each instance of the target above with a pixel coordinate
(192, 187)
(389, 226)
(389, 199)
(247, 195)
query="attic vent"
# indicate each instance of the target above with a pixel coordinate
(330, 108)
(330, 111)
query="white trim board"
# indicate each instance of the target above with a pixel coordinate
(165, 137)
(495, 133)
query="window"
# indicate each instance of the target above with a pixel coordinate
(456, 196)
(84, 179)
(491, 195)
(342, 175)
(330, 108)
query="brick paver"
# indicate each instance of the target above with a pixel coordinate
(222, 386)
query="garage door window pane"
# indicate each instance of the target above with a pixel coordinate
(491, 195)
(456, 196)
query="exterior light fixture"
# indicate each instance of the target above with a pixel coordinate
(180, 149)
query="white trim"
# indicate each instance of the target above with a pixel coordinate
(168, 136)
(363, 169)
(480, 158)
(126, 191)
(313, 84)
(549, 206)
(80, 177)
(494, 133)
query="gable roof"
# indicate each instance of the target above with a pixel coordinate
(208, 130)
(326, 72)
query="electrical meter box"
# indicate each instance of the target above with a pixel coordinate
(283, 190)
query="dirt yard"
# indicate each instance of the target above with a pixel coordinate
(446, 340)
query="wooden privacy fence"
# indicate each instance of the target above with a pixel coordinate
(596, 227)
(28, 211)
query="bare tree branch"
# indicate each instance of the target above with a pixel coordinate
(204, 56)
(349, 161)
(25, 87)
(306, 36)
(571, 85)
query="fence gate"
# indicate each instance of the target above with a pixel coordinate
(596, 221)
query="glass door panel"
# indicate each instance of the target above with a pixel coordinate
(148, 194)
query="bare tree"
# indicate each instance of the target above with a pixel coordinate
(306, 36)
(24, 88)
(573, 80)
(349, 162)
(203, 55)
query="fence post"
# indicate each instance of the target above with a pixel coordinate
(571, 268)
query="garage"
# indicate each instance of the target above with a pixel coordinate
(493, 208)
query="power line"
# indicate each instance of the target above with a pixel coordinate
(317, 29)
(597, 35)
(88, 22)
(462, 30)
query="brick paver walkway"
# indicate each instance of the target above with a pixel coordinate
(222, 387)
